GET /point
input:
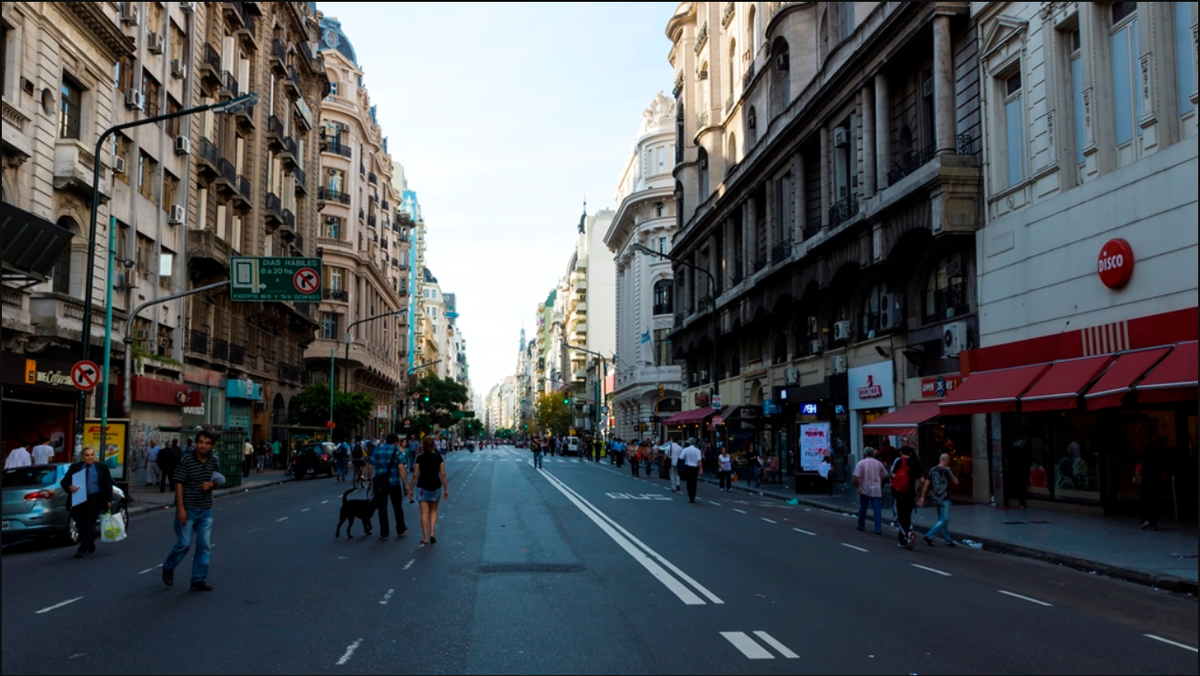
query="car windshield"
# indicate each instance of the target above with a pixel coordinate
(24, 477)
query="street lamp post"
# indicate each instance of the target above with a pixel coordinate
(712, 290)
(346, 363)
(599, 383)
(233, 105)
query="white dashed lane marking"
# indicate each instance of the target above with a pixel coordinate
(56, 606)
(738, 510)
(349, 652)
(753, 650)
(283, 519)
(857, 549)
(1169, 642)
(932, 570)
(769, 521)
(801, 530)
(1025, 598)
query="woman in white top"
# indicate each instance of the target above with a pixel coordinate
(725, 469)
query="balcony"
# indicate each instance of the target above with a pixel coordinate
(291, 83)
(843, 210)
(301, 188)
(248, 33)
(371, 221)
(664, 308)
(220, 349)
(229, 85)
(781, 252)
(237, 355)
(330, 195)
(235, 15)
(373, 179)
(336, 147)
(274, 210)
(206, 158)
(339, 295)
(73, 168)
(278, 58)
(207, 253)
(275, 133)
(198, 342)
(947, 303)
(289, 220)
(243, 191)
(58, 316)
(290, 372)
(289, 154)
(760, 263)
(298, 245)
(210, 65)
(226, 177)
(811, 230)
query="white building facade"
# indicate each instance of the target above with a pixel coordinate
(645, 287)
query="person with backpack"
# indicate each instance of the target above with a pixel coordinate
(341, 456)
(358, 458)
(908, 482)
(389, 480)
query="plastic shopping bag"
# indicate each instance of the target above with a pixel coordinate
(112, 528)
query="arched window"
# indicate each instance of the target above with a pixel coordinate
(678, 205)
(806, 332)
(781, 85)
(731, 157)
(874, 307)
(702, 165)
(751, 127)
(733, 69)
(752, 32)
(779, 350)
(945, 293)
(664, 297)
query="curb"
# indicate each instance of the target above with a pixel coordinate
(1164, 582)
(139, 509)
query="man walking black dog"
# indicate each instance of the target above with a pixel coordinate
(388, 479)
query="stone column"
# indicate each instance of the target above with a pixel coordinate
(798, 196)
(943, 85)
(713, 264)
(727, 253)
(868, 135)
(750, 241)
(883, 132)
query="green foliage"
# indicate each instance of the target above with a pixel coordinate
(443, 398)
(552, 415)
(351, 410)
(505, 433)
(472, 429)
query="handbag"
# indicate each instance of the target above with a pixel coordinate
(112, 528)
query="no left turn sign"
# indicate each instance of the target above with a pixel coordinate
(307, 280)
(85, 375)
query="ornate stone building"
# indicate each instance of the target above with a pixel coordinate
(828, 177)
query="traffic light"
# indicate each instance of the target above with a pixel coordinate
(566, 400)
(662, 389)
(425, 396)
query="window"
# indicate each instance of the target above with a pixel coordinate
(171, 196)
(71, 110)
(1127, 96)
(873, 310)
(1185, 64)
(178, 38)
(751, 32)
(807, 335)
(125, 77)
(122, 148)
(702, 166)
(156, 16)
(662, 245)
(1014, 130)
(333, 227)
(166, 267)
(333, 88)
(733, 69)
(145, 254)
(751, 127)
(1075, 58)
(147, 176)
(61, 274)
(337, 183)
(664, 293)
(174, 125)
(845, 20)
(336, 279)
(946, 289)
(662, 348)
(151, 93)
(329, 326)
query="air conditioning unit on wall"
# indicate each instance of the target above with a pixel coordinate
(178, 215)
(815, 346)
(838, 364)
(841, 330)
(891, 311)
(956, 337)
(183, 145)
(133, 99)
(841, 137)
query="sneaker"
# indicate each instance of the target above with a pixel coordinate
(400, 535)
(168, 577)
(928, 540)
(912, 541)
(201, 585)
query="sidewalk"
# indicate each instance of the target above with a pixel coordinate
(148, 499)
(1108, 545)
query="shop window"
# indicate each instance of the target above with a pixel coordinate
(873, 310)
(945, 293)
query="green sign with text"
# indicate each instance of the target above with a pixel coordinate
(262, 279)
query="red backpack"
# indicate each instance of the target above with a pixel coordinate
(900, 478)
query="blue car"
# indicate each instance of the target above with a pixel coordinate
(35, 505)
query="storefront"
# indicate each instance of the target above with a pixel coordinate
(872, 396)
(39, 402)
(240, 396)
(827, 402)
(693, 424)
(1072, 430)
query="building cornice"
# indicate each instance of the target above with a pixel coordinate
(91, 19)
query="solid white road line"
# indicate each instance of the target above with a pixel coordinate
(630, 544)
(1169, 642)
(747, 645)
(387, 597)
(768, 520)
(800, 530)
(1025, 598)
(716, 504)
(857, 549)
(56, 606)
(932, 570)
(283, 519)
(738, 510)
(770, 640)
(349, 652)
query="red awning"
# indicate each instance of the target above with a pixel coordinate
(1118, 380)
(695, 416)
(1174, 379)
(1059, 389)
(903, 421)
(991, 391)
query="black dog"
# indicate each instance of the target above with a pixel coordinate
(354, 509)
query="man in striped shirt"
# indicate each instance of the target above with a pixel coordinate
(194, 478)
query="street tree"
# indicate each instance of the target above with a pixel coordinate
(351, 410)
(438, 399)
(553, 414)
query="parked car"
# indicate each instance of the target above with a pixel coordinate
(35, 505)
(312, 458)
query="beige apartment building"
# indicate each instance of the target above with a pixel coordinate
(362, 238)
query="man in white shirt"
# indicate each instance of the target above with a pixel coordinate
(18, 457)
(43, 453)
(152, 474)
(673, 450)
(691, 467)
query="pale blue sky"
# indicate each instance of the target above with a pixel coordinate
(504, 116)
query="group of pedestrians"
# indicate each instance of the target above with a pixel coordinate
(910, 485)
(41, 454)
(389, 465)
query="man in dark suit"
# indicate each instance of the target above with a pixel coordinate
(98, 485)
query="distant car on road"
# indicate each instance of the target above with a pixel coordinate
(35, 505)
(573, 446)
(312, 458)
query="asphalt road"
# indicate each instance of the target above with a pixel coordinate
(576, 569)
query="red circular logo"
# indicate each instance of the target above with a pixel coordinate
(1115, 264)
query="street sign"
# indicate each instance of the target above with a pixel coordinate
(85, 375)
(716, 402)
(296, 280)
(457, 415)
